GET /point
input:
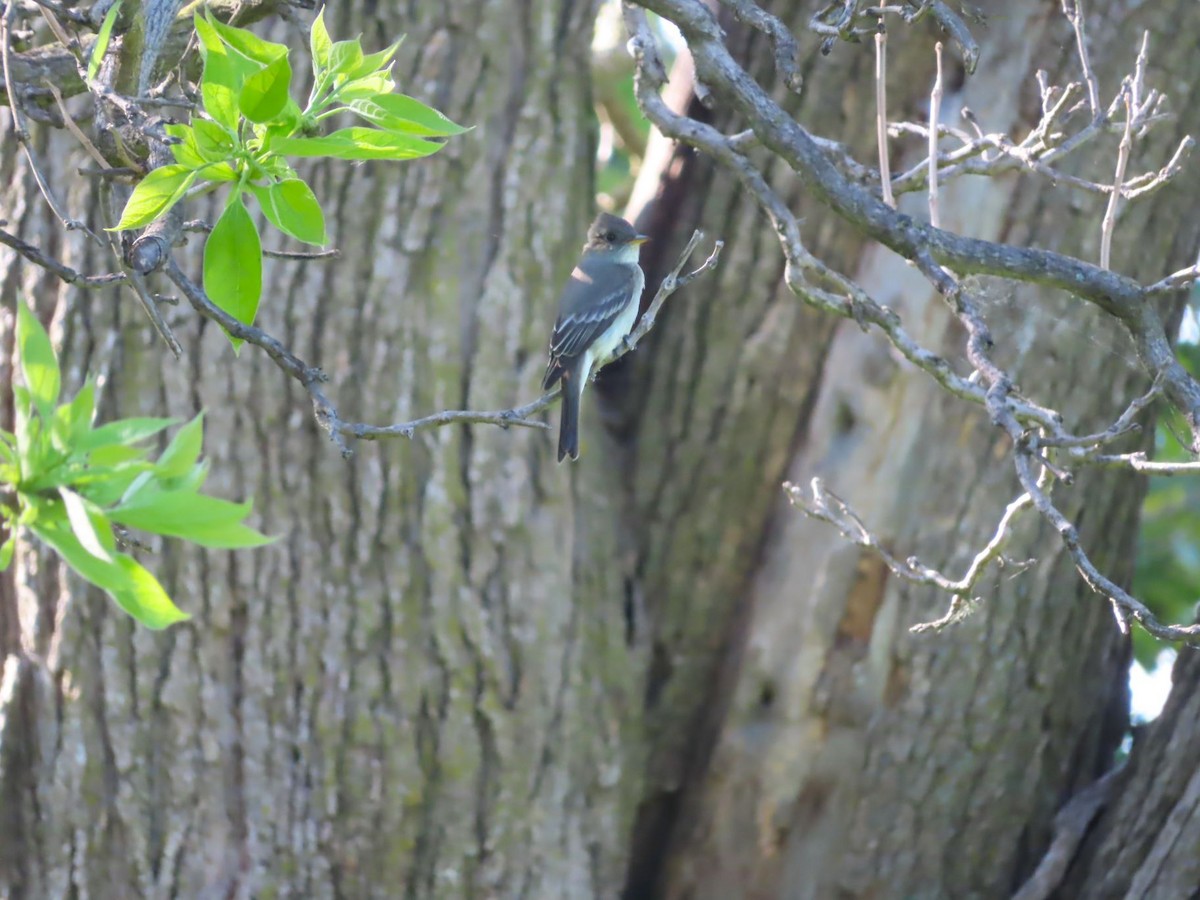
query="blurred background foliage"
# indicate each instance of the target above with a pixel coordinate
(1167, 576)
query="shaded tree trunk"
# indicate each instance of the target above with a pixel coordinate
(814, 747)
(401, 696)
(465, 671)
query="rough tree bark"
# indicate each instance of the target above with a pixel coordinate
(420, 689)
(811, 746)
(464, 671)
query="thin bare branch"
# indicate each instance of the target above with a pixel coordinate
(881, 131)
(312, 378)
(821, 503)
(63, 271)
(935, 114)
(14, 105)
(1073, 10)
(1109, 223)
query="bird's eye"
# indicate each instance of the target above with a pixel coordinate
(610, 236)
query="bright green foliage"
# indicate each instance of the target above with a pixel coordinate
(71, 482)
(1167, 576)
(103, 36)
(233, 263)
(250, 124)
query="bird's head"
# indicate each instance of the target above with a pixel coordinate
(612, 234)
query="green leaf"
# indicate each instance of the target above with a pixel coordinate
(213, 142)
(135, 590)
(6, 551)
(292, 207)
(233, 264)
(185, 151)
(82, 411)
(84, 526)
(225, 71)
(27, 429)
(368, 88)
(208, 521)
(154, 195)
(123, 431)
(72, 421)
(183, 451)
(114, 454)
(145, 599)
(375, 62)
(345, 58)
(39, 365)
(399, 113)
(319, 43)
(190, 482)
(103, 36)
(265, 94)
(358, 143)
(106, 485)
(247, 43)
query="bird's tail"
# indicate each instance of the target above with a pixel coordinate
(568, 429)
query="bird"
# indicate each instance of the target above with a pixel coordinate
(596, 311)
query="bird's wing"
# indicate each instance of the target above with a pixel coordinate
(590, 303)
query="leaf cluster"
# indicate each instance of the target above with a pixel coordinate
(249, 126)
(70, 483)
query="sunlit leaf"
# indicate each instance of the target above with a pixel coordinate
(103, 36)
(81, 519)
(155, 194)
(183, 451)
(135, 590)
(208, 521)
(39, 365)
(358, 143)
(265, 94)
(233, 264)
(320, 43)
(292, 207)
(397, 112)
(247, 43)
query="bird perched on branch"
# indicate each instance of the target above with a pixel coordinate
(596, 312)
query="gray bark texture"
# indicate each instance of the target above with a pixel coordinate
(464, 671)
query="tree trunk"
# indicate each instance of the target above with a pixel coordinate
(421, 688)
(465, 671)
(810, 746)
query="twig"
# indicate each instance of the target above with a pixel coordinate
(935, 114)
(151, 307)
(202, 227)
(885, 174)
(821, 503)
(69, 122)
(671, 283)
(303, 255)
(311, 377)
(14, 105)
(1109, 223)
(1176, 281)
(934, 252)
(787, 51)
(1073, 10)
(63, 271)
(1139, 463)
(780, 133)
(72, 15)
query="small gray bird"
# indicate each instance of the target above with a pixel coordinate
(596, 311)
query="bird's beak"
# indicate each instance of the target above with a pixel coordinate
(640, 239)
